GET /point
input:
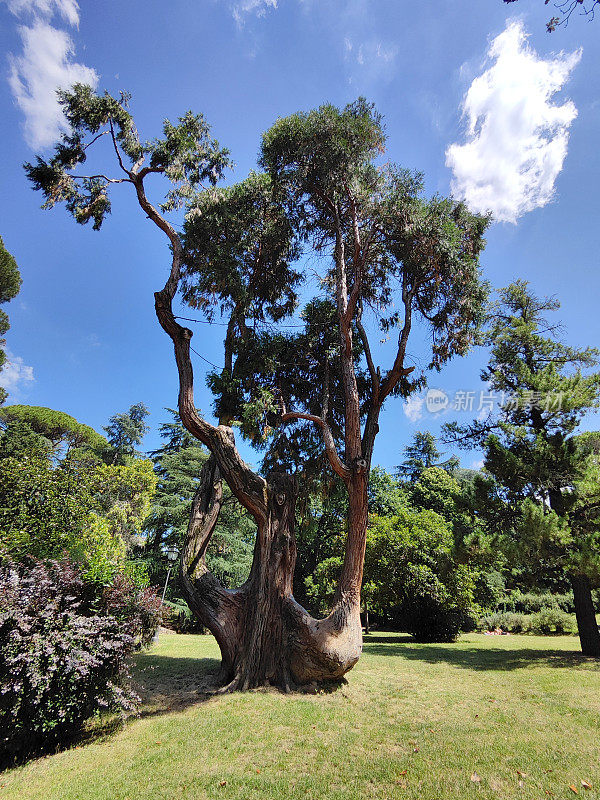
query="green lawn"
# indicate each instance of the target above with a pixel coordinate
(488, 717)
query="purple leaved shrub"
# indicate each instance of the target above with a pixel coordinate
(65, 645)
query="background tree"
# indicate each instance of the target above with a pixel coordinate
(421, 454)
(125, 432)
(532, 445)
(10, 284)
(383, 243)
(57, 496)
(178, 465)
(415, 582)
(60, 432)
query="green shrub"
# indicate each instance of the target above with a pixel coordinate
(507, 621)
(551, 622)
(547, 622)
(412, 576)
(531, 603)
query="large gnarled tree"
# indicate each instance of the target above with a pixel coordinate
(385, 259)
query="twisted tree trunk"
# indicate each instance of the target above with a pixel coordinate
(265, 637)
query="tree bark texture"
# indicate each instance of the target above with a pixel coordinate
(264, 635)
(589, 635)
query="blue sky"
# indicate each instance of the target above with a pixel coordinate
(474, 93)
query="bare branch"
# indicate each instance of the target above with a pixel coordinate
(373, 371)
(95, 139)
(103, 177)
(117, 151)
(398, 369)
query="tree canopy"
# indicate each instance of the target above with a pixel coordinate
(10, 284)
(61, 430)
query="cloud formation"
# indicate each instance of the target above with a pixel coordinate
(242, 8)
(45, 65)
(68, 9)
(516, 137)
(413, 408)
(15, 373)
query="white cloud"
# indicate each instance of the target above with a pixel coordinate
(413, 408)
(68, 9)
(15, 373)
(243, 8)
(45, 65)
(516, 139)
(477, 464)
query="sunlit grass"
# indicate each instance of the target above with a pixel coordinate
(488, 717)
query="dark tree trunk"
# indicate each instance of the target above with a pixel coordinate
(589, 635)
(265, 637)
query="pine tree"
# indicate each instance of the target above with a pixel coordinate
(178, 465)
(421, 454)
(125, 432)
(532, 447)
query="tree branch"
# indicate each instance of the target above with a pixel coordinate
(104, 178)
(373, 371)
(246, 485)
(398, 369)
(117, 151)
(335, 461)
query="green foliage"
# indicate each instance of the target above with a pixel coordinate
(386, 494)
(17, 439)
(545, 622)
(89, 512)
(245, 272)
(548, 484)
(532, 602)
(551, 621)
(323, 166)
(321, 585)
(63, 432)
(178, 466)
(10, 284)
(185, 154)
(507, 621)
(421, 454)
(125, 432)
(122, 497)
(413, 577)
(46, 510)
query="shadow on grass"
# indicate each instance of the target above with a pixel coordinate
(166, 684)
(475, 658)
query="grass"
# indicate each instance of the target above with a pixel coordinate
(487, 717)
